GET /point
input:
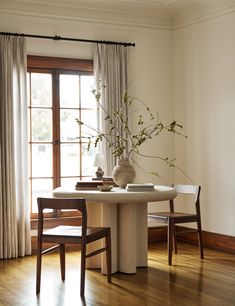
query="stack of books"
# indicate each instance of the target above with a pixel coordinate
(107, 180)
(140, 187)
(92, 184)
(88, 185)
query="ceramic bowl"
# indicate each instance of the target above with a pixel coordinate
(105, 187)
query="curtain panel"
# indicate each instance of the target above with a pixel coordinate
(110, 70)
(14, 209)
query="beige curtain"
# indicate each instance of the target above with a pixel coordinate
(14, 208)
(110, 68)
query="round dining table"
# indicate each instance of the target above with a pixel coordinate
(125, 212)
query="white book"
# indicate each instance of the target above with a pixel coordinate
(140, 187)
(149, 185)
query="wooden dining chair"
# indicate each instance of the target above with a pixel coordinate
(173, 217)
(62, 235)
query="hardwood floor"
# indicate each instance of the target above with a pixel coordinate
(189, 281)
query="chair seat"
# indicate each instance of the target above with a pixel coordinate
(72, 231)
(73, 234)
(166, 215)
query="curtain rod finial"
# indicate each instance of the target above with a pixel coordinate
(56, 37)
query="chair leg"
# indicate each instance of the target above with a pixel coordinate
(170, 240)
(108, 256)
(83, 269)
(62, 261)
(200, 241)
(39, 267)
(175, 239)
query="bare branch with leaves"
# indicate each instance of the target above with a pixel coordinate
(147, 127)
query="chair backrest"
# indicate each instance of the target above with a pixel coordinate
(188, 189)
(57, 204)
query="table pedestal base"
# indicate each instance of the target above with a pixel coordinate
(128, 222)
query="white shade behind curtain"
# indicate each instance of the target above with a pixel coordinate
(110, 68)
(14, 209)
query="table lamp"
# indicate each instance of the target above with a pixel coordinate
(99, 162)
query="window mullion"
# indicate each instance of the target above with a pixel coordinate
(56, 132)
(56, 129)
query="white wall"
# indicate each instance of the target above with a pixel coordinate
(150, 73)
(204, 91)
(151, 77)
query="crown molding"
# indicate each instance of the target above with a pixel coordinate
(207, 10)
(111, 14)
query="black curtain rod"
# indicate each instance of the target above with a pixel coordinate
(56, 37)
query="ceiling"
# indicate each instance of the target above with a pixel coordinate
(166, 14)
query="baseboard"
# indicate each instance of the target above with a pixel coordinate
(212, 240)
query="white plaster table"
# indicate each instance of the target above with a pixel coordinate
(126, 213)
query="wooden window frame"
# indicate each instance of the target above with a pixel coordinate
(57, 65)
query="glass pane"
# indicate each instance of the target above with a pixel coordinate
(69, 182)
(28, 88)
(42, 160)
(40, 188)
(29, 124)
(69, 91)
(87, 98)
(89, 118)
(69, 128)
(88, 158)
(41, 89)
(29, 161)
(70, 160)
(41, 125)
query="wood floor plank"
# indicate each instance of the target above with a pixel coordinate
(190, 281)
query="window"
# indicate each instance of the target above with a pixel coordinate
(59, 91)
